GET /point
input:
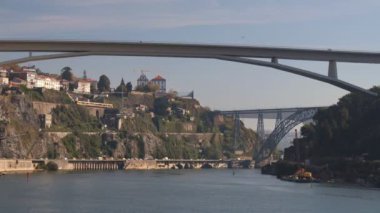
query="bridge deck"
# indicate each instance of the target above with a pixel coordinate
(187, 50)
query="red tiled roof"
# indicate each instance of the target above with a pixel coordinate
(158, 78)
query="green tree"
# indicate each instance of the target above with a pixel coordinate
(141, 148)
(147, 88)
(129, 87)
(121, 88)
(214, 150)
(348, 129)
(122, 82)
(67, 74)
(104, 84)
(160, 106)
(39, 71)
(93, 88)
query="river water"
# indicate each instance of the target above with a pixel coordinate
(177, 191)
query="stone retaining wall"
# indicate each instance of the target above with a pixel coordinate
(11, 165)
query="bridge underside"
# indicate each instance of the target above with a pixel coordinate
(240, 54)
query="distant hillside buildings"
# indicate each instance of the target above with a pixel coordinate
(143, 81)
(47, 82)
(29, 77)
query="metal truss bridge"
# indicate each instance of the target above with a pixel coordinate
(286, 120)
(253, 55)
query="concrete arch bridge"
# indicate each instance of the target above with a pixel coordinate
(253, 55)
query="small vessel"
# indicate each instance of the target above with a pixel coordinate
(301, 176)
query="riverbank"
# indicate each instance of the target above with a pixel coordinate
(337, 170)
(15, 165)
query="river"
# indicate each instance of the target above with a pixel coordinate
(177, 191)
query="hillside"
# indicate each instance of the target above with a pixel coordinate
(351, 128)
(148, 127)
(342, 144)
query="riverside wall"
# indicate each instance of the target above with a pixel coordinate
(44, 107)
(13, 165)
(140, 164)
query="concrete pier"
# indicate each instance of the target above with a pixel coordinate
(97, 164)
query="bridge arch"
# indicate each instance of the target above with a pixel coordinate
(305, 73)
(270, 144)
(241, 54)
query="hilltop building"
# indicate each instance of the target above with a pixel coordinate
(27, 74)
(84, 86)
(161, 82)
(17, 82)
(47, 82)
(142, 81)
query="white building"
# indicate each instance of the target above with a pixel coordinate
(83, 86)
(142, 81)
(27, 74)
(161, 82)
(47, 82)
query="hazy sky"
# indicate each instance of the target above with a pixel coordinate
(339, 24)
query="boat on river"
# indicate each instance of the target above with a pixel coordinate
(301, 176)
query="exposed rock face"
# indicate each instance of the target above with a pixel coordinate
(142, 145)
(21, 136)
(20, 127)
(145, 145)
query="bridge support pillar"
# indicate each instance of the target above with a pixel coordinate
(278, 118)
(260, 126)
(274, 60)
(236, 130)
(333, 73)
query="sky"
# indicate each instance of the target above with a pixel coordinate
(326, 24)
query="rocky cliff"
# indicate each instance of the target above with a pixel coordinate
(188, 131)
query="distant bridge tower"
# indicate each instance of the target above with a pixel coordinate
(260, 126)
(278, 118)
